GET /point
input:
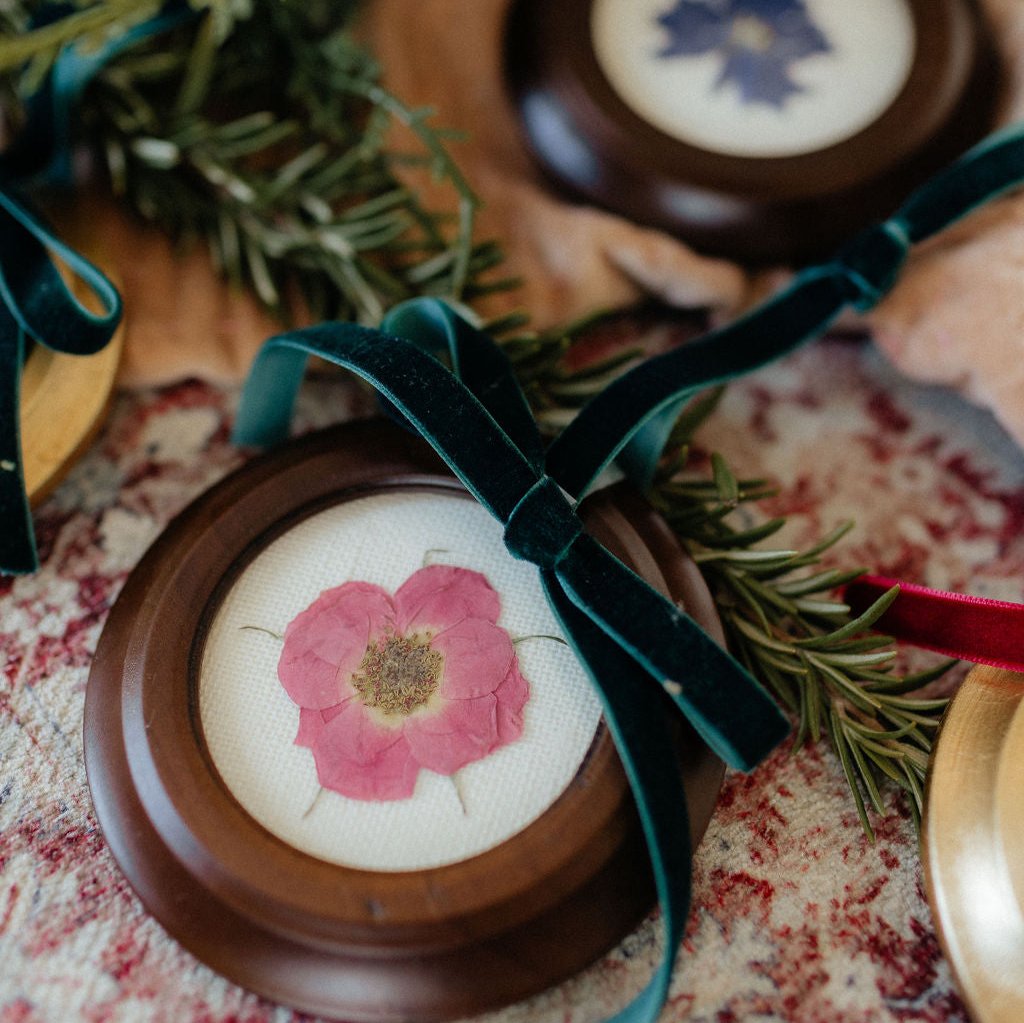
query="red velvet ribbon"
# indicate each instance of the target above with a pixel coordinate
(970, 628)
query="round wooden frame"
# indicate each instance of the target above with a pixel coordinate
(973, 842)
(369, 946)
(758, 210)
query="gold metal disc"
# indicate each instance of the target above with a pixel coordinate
(973, 842)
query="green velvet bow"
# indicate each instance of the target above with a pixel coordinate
(636, 646)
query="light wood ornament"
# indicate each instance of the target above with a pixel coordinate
(974, 842)
(65, 398)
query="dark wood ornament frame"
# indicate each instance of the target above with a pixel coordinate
(757, 210)
(368, 946)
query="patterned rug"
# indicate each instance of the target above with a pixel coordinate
(796, 916)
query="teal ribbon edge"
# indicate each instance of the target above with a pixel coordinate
(630, 421)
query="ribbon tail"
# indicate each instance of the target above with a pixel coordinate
(862, 273)
(35, 302)
(990, 169)
(648, 397)
(634, 713)
(729, 709)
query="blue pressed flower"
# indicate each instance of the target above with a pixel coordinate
(759, 41)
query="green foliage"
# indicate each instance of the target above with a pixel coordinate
(262, 128)
(830, 669)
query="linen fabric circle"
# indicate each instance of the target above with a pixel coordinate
(250, 724)
(754, 79)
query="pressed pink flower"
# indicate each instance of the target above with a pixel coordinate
(389, 684)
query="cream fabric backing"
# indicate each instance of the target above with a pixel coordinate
(842, 91)
(250, 722)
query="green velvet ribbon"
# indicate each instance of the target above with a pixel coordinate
(637, 647)
(35, 303)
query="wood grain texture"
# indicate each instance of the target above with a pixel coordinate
(974, 842)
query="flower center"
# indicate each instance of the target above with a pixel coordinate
(398, 674)
(750, 32)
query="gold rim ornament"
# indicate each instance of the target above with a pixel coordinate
(973, 842)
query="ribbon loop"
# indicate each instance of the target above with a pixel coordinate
(543, 526)
(872, 260)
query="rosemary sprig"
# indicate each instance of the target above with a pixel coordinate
(825, 665)
(832, 672)
(261, 127)
(555, 392)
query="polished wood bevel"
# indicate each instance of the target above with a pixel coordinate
(364, 945)
(973, 842)
(756, 210)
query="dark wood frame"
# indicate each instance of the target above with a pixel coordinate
(370, 946)
(758, 210)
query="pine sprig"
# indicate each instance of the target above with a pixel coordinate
(555, 392)
(827, 667)
(262, 129)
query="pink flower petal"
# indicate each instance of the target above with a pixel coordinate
(459, 733)
(311, 723)
(310, 727)
(324, 644)
(358, 757)
(438, 596)
(477, 656)
(364, 754)
(512, 695)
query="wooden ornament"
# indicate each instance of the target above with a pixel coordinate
(667, 113)
(363, 944)
(973, 842)
(64, 400)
